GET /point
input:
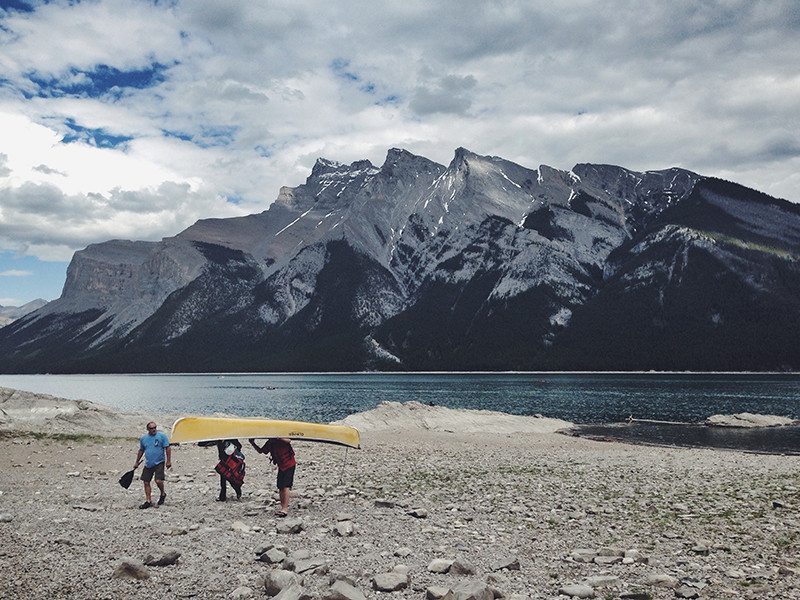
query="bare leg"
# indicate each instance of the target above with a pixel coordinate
(160, 485)
(283, 493)
(148, 490)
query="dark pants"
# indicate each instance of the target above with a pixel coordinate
(223, 488)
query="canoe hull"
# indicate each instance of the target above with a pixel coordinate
(203, 429)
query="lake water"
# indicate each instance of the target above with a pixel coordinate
(577, 397)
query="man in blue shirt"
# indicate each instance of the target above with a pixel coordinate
(154, 446)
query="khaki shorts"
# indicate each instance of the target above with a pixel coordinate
(148, 472)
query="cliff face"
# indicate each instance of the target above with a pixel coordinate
(483, 264)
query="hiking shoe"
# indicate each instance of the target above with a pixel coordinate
(146, 505)
(161, 499)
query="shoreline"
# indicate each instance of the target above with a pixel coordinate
(524, 515)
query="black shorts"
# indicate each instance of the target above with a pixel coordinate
(158, 470)
(286, 478)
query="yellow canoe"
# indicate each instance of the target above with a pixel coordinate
(204, 429)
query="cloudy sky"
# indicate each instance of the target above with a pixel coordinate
(132, 119)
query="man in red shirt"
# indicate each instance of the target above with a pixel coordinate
(282, 455)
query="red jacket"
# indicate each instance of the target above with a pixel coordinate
(282, 453)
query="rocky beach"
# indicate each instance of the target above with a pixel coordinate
(438, 503)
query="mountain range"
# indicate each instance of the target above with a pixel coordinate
(482, 264)
(12, 313)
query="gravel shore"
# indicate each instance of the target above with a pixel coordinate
(433, 513)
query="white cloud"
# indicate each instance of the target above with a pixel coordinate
(15, 273)
(247, 96)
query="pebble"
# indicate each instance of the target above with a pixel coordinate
(6, 518)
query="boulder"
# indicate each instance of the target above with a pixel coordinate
(272, 556)
(418, 513)
(462, 567)
(277, 580)
(583, 555)
(436, 592)
(6, 518)
(341, 590)
(344, 529)
(472, 590)
(308, 564)
(168, 558)
(132, 569)
(661, 580)
(509, 563)
(577, 590)
(292, 592)
(440, 565)
(240, 527)
(390, 582)
(289, 526)
(686, 592)
(241, 592)
(602, 581)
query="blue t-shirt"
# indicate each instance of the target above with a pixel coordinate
(154, 447)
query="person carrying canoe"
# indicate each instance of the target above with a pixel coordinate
(230, 466)
(282, 454)
(154, 446)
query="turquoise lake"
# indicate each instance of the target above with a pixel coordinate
(577, 397)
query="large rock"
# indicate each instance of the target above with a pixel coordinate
(132, 569)
(462, 567)
(168, 558)
(437, 592)
(341, 590)
(748, 420)
(510, 563)
(293, 592)
(277, 580)
(272, 556)
(577, 590)
(289, 526)
(473, 590)
(390, 582)
(440, 565)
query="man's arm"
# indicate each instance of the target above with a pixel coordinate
(169, 457)
(139, 457)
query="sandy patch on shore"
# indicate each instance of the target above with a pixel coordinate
(722, 524)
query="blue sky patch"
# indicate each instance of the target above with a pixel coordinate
(101, 81)
(209, 136)
(340, 68)
(95, 137)
(45, 280)
(16, 5)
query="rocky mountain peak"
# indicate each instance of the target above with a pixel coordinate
(323, 165)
